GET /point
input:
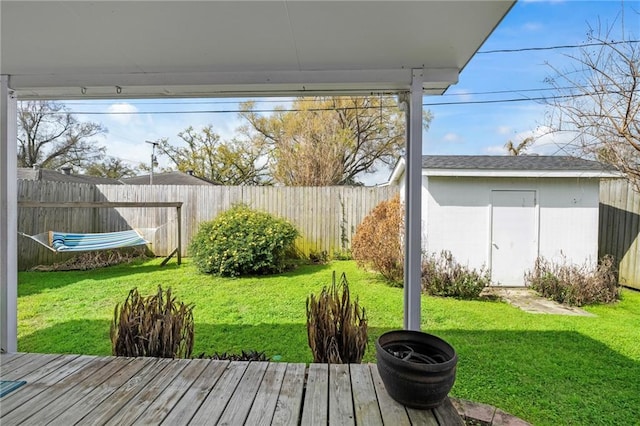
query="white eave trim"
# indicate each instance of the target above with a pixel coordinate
(521, 173)
(149, 84)
(397, 173)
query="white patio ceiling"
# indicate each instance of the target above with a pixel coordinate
(54, 49)
(131, 49)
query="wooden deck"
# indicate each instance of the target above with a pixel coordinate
(72, 389)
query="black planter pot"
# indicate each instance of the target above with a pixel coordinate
(417, 369)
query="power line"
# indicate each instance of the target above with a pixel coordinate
(311, 99)
(565, 46)
(231, 111)
(514, 50)
(264, 111)
(497, 101)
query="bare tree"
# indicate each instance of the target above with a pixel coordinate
(224, 162)
(51, 137)
(597, 102)
(111, 167)
(329, 140)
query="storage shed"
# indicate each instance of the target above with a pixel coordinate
(502, 212)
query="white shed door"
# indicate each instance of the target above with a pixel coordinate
(514, 232)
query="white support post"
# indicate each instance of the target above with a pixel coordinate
(413, 192)
(8, 218)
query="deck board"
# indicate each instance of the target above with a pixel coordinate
(29, 394)
(240, 403)
(422, 417)
(159, 409)
(365, 402)
(316, 399)
(90, 378)
(340, 399)
(392, 413)
(80, 408)
(448, 415)
(37, 374)
(121, 397)
(215, 403)
(8, 360)
(193, 398)
(38, 363)
(137, 405)
(266, 400)
(67, 390)
(290, 398)
(90, 390)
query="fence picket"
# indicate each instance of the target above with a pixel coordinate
(316, 212)
(620, 228)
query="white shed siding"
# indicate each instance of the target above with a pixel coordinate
(424, 204)
(569, 219)
(458, 217)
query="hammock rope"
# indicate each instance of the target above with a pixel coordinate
(75, 242)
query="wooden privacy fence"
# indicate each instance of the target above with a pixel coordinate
(620, 228)
(325, 216)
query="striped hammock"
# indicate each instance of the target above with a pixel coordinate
(68, 242)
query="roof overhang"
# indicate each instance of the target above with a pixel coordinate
(399, 169)
(129, 49)
(519, 173)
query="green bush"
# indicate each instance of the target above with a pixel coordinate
(575, 285)
(377, 243)
(443, 276)
(242, 241)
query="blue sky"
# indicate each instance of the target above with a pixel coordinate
(455, 129)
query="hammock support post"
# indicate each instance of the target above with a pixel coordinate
(178, 250)
(119, 204)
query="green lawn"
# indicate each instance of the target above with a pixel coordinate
(547, 369)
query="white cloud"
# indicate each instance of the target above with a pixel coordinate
(504, 130)
(462, 95)
(544, 1)
(548, 143)
(532, 26)
(451, 137)
(122, 113)
(495, 150)
(545, 143)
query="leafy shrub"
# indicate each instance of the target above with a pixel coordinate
(153, 326)
(342, 255)
(377, 243)
(336, 327)
(242, 241)
(443, 276)
(319, 258)
(243, 356)
(575, 285)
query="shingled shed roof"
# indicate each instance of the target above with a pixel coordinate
(536, 166)
(511, 162)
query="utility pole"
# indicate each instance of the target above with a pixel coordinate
(153, 159)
